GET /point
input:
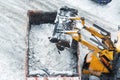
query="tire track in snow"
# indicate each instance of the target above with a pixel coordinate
(46, 5)
(90, 19)
(8, 16)
(12, 18)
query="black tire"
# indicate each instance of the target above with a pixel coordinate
(116, 66)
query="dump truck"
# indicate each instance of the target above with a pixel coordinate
(52, 19)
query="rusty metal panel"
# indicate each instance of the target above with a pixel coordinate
(53, 78)
(39, 17)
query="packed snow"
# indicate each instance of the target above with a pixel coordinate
(13, 28)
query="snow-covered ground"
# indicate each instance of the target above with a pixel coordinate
(109, 12)
(13, 28)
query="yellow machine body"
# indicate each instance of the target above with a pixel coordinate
(101, 58)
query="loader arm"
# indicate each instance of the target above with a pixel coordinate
(77, 36)
(79, 18)
(106, 39)
(97, 64)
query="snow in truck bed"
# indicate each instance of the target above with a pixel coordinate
(44, 58)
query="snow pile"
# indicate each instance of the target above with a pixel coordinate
(44, 58)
